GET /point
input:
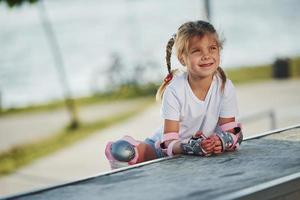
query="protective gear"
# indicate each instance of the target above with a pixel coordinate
(193, 147)
(173, 137)
(230, 141)
(122, 152)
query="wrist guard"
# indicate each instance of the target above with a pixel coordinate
(230, 141)
(193, 147)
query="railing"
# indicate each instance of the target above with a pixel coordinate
(259, 115)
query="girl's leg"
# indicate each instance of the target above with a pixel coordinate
(128, 151)
(146, 152)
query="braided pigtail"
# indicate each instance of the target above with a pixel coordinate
(222, 75)
(169, 52)
(169, 77)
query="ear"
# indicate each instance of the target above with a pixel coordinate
(181, 60)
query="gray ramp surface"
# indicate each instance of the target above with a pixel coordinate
(189, 177)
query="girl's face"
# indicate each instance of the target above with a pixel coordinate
(202, 57)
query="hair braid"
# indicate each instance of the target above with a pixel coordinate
(169, 52)
(163, 86)
(222, 74)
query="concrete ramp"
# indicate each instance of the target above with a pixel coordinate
(266, 167)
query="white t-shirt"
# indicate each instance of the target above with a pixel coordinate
(179, 103)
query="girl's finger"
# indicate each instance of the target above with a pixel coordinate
(218, 148)
(217, 152)
(207, 141)
(218, 143)
(208, 145)
(209, 151)
(211, 148)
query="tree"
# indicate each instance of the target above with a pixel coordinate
(13, 3)
(57, 56)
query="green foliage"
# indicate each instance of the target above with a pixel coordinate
(295, 67)
(135, 90)
(249, 74)
(126, 91)
(12, 3)
(259, 73)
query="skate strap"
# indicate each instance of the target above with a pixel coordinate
(170, 148)
(193, 146)
(167, 137)
(130, 140)
(231, 125)
(107, 151)
(170, 136)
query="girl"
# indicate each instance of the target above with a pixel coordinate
(199, 106)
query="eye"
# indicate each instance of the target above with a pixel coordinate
(213, 48)
(195, 51)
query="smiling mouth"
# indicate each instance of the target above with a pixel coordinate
(206, 65)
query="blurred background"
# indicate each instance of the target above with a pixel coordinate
(92, 34)
(75, 74)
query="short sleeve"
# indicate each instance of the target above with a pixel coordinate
(229, 106)
(170, 108)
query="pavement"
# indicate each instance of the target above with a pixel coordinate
(86, 158)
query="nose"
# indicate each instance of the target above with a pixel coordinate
(206, 55)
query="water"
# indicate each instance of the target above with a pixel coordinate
(90, 32)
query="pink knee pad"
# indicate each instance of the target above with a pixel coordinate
(122, 152)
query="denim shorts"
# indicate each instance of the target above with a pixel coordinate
(158, 152)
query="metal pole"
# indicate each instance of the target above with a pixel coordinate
(273, 120)
(59, 64)
(207, 8)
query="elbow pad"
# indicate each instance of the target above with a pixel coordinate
(172, 137)
(230, 141)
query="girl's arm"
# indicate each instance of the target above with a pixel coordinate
(218, 144)
(225, 121)
(230, 137)
(172, 126)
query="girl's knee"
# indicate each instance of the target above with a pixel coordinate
(130, 151)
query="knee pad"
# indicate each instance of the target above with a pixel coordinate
(123, 151)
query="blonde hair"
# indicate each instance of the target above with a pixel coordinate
(181, 41)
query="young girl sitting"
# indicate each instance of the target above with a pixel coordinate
(199, 106)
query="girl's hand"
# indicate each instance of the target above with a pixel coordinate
(218, 144)
(208, 145)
